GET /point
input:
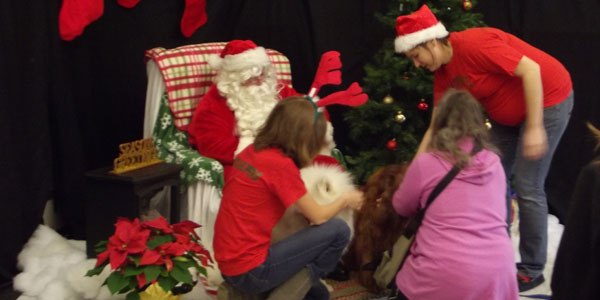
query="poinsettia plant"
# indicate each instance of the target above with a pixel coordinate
(144, 253)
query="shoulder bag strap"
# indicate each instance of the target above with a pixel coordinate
(413, 225)
(442, 185)
(412, 228)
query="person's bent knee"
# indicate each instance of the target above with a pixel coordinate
(340, 228)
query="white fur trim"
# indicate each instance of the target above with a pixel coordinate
(214, 61)
(408, 41)
(249, 58)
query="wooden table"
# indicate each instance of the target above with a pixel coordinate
(110, 196)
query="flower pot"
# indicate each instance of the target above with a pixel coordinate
(155, 292)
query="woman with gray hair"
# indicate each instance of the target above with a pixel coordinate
(462, 249)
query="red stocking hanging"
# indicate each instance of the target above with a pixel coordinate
(194, 16)
(75, 15)
(128, 3)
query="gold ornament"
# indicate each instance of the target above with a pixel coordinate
(400, 118)
(488, 124)
(388, 99)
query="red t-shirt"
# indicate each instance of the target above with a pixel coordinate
(483, 63)
(260, 187)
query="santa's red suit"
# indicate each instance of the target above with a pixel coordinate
(212, 130)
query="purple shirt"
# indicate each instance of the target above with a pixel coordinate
(462, 249)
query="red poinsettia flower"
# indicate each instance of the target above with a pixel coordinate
(202, 254)
(159, 223)
(129, 249)
(186, 227)
(141, 279)
(189, 245)
(185, 240)
(129, 238)
(162, 254)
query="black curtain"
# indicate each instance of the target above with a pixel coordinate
(66, 106)
(26, 153)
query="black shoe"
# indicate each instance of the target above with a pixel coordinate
(527, 283)
(340, 273)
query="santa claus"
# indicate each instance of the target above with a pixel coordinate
(245, 90)
(227, 118)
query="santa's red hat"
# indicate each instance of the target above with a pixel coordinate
(419, 27)
(239, 55)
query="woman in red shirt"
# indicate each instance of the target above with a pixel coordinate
(264, 181)
(526, 93)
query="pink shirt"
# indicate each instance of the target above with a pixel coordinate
(462, 249)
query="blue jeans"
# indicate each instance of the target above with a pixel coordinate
(318, 248)
(528, 178)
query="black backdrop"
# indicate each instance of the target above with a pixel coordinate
(66, 106)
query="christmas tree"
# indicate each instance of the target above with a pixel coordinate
(389, 127)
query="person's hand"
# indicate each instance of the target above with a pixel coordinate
(354, 199)
(328, 71)
(535, 142)
(353, 96)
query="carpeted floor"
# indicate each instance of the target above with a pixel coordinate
(349, 290)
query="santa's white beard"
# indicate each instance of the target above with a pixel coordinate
(251, 105)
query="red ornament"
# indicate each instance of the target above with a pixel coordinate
(467, 5)
(423, 105)
(391, 144)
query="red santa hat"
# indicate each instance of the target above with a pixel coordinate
(239, 55)
(419, 27)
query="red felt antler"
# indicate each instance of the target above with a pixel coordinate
(328, 72)
(353, 96)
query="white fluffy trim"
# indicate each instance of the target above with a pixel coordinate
(249, 58)
(408, 41)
